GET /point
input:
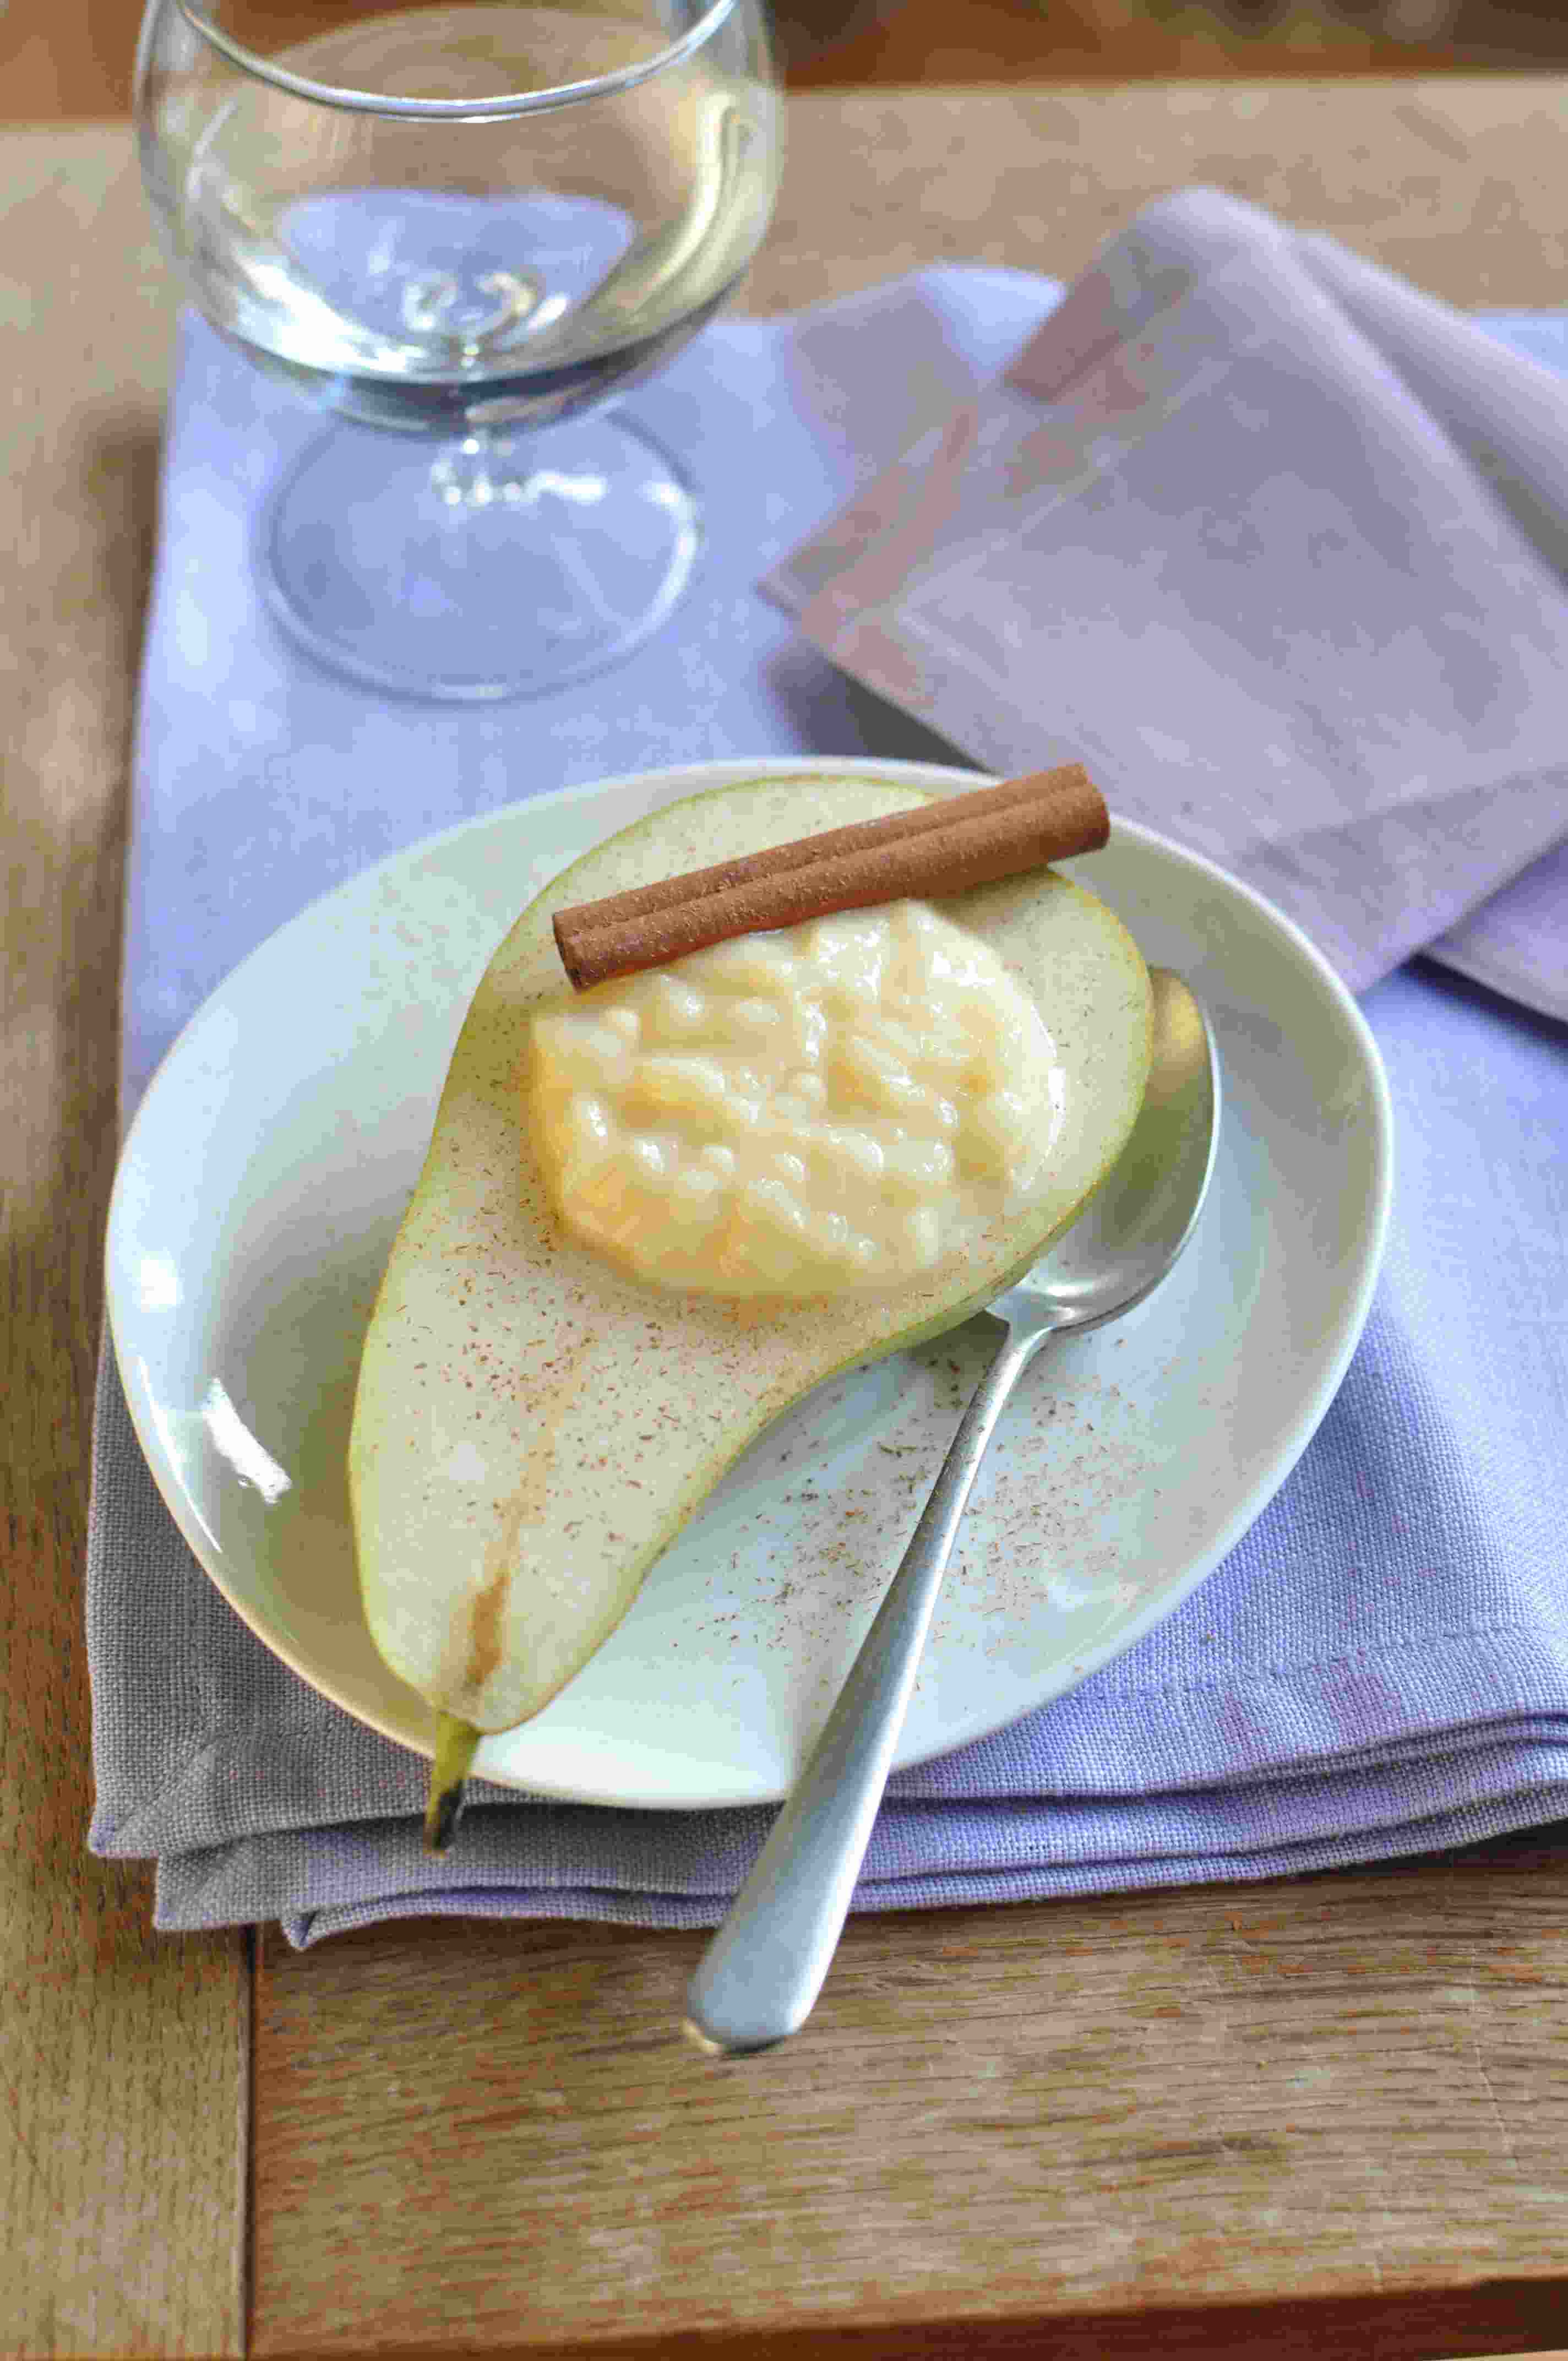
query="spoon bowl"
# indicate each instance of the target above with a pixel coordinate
(1136, 1223)
(759, 1977)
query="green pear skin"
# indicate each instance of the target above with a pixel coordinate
(532, 1428)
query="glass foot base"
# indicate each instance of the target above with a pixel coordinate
(502, 569)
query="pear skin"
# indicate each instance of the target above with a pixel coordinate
(532, 1426)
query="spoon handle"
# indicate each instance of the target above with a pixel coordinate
(760, 1976)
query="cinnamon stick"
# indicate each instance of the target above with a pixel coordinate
(936, 847)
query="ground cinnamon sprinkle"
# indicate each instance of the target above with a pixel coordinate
(937, 848)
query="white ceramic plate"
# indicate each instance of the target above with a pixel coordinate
(268, 1165)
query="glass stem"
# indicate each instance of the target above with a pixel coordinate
(477, 471)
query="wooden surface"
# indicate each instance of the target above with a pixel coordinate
(1344, 2086)
(122, 2056)
(1326, 2117)
(926, 41)
(74, 58)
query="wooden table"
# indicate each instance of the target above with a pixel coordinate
(1328, 2116)
(61, 58)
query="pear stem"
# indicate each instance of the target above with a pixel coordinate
(454, 1744)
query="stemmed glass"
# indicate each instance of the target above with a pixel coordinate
(465, 229)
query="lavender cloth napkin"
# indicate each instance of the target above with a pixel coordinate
(1274, 542)
(1382, 1665)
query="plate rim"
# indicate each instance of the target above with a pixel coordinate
(693, 778)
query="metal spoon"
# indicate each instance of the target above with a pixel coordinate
(759, 1977)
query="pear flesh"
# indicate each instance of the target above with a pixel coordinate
(532, 1426)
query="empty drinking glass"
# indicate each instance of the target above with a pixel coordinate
(466, 228)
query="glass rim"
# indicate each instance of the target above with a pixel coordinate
(453, 110)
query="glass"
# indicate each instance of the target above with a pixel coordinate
(471, 226)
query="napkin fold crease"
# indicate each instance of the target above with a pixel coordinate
(1381, 1665)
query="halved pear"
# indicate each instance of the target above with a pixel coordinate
(532, 1427)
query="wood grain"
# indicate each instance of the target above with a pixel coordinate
(1322, 2117)
(1458, 184)
(1344, 2087)
(122, 2056)
(74, 58)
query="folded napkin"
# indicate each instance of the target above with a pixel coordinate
(1381, 1665)
(1275, 543)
